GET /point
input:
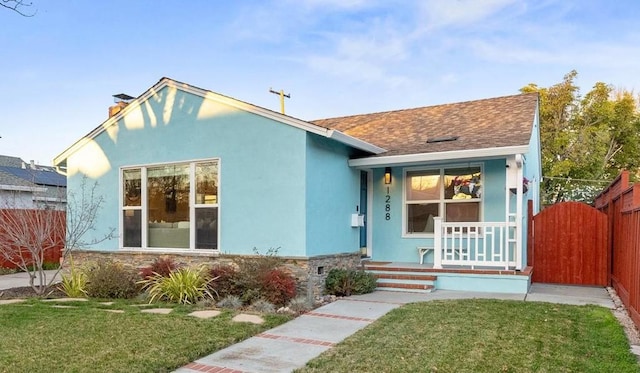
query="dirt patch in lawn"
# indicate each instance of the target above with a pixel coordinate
(28, 292)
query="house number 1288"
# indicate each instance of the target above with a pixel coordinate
(387, 206)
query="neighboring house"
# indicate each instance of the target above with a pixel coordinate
(30, 186)
(25, 187)
(192, 173)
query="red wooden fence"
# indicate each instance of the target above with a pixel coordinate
(621, 202)
(569, 241)
(33, 226)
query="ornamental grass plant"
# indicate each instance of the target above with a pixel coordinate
(185, 285)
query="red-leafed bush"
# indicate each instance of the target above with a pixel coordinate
(224, 280)
(162, 266)
(278, 286)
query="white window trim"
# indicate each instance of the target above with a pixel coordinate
(441, 201)
(144, 211)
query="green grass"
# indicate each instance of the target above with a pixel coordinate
(37, 337)
(484, 336)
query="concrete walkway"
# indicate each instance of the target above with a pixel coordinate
(21, 279)
(293, 344)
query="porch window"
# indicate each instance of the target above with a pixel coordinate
(455, 194)
(170, 206)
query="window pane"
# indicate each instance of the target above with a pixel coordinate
(207, 183)
(462, 183)
(420, 217)
(423, 185)
(207, 228)
(461, 212)
(131, 187)
(132, 224)
(168, 206)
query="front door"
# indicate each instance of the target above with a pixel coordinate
(363, 211)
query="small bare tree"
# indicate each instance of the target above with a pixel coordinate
(28, 236)
(17, 6)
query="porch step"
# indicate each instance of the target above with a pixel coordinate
(404, 276)
(414, 288)
(382, 267)
(405, 279)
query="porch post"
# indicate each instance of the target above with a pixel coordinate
(519, 217)
(437, 242)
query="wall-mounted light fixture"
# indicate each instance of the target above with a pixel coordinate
(387, 175)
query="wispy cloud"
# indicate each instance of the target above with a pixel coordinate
(439, 14)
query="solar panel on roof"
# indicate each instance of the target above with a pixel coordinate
(38, 177)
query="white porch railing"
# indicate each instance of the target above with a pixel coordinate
(476, 244)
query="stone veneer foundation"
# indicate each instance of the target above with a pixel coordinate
(310, 272)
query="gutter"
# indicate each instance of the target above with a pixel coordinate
(409, 159)
(18, 188)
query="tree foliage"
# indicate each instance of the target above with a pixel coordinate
(17, 6)
(586, 140)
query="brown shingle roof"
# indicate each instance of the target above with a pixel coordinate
(489, 123)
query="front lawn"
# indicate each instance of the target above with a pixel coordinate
(485, 336)
(36, 337)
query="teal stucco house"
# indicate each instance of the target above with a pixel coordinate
(441, 190)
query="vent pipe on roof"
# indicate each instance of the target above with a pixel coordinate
(121, 100)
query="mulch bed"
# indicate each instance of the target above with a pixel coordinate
(28, 292)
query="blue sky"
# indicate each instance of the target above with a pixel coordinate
(335, 57)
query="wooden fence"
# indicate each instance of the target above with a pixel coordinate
(43, 230)
(568, 245)
(621, 202)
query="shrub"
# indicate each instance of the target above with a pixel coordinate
(364, 282)
(184, 285)
(46, 266)
(345, 282)
(299, 305)
(223, 280)
(74, 285)
(231, 302)
(7, 271)
(50, 265)
(278, 286)
(263, 306)
(162, 266)
(260, 277)
(111, 280)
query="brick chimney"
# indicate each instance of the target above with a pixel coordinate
(121, 100)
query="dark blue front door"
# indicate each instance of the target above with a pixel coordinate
(363, 207)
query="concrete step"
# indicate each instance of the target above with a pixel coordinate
(413, 288)
(403, 279)
(384, 268)
(404, 276)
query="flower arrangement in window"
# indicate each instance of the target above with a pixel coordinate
(466, 187)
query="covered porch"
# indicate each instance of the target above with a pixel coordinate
(424, 278)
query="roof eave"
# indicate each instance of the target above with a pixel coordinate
(354, 142)
(20, 188)
(409, 159)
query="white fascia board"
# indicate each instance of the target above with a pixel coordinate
(60, 160)
(407, 159)
(354, 142)
(19, 188)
